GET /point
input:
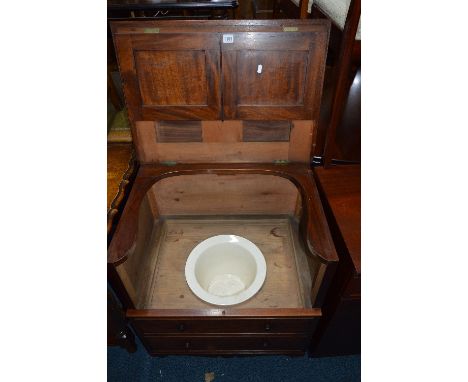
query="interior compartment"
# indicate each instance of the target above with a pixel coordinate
(179, 212)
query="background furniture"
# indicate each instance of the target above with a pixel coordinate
(343, 78)
(339, 332)
(121, 9)
(121, 169)
(339, 133)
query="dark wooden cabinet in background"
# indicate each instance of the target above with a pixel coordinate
(224, 117)
(339, 333)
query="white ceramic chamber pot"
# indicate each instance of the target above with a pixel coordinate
(225, 270)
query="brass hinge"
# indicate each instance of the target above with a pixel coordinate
(151, 30)
(290, 29)
(169, 163)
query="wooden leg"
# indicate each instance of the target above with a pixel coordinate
(342, 72)
(118, 333)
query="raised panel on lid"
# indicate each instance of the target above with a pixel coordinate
(226, 74)
(271, 78)
(169, 78)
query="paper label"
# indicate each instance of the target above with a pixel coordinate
(228, 38)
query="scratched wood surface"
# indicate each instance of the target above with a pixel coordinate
(210, 194)
(178, 236)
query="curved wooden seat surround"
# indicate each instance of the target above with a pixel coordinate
(314, 230)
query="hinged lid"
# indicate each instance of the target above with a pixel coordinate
(224, 90)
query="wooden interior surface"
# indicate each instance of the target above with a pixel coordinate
(271, 70)
(176, 237)
(223, 142)
(135, 272)
(210, 194)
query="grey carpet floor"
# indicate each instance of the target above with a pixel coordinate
(139, 366)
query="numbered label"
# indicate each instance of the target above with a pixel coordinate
(228, 38)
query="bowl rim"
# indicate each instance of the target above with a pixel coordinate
(238, 297)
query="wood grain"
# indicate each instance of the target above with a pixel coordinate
(290, 82)
(341, 87)
(251, 344)
(301, 140)
(145, 138)
(222, 131)
(208, 194)
(175, 74)
(222, 142)
(135, 272)
(222, 324)
(179, 131)
(341, 190)
(169, 78)
(216, 26)
(225, 313)
(314, 229)
(266, 131)
(170, 290)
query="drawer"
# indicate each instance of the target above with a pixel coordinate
(192, 325)
(253, 344)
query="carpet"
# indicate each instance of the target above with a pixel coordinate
(139, 366)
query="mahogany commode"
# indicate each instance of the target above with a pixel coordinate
(224, 117)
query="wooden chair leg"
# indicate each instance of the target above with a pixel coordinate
(341, 85)
(303, 5)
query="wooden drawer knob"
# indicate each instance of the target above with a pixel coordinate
(181, 327)
(267, 327)
(265, 344)
(187, 345)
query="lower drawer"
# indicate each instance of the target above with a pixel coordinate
(253, 344)
(190, 325)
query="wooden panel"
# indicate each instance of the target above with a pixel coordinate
(270, 41)
(222, 131)
(135, 273)
(178, 131)
(288, 84)
(293, 65)
(281, 81)
(222, 152)
(266, 131)
(314, 229)
(222, 142)
(302, 136)
(225, 344)
(124, 50)
(169, 289)
(170, 78)
(225, 313)
(175, 41)
(191, 325)
(217, 26)
(340, 188)
(206, 194)
(145, 140)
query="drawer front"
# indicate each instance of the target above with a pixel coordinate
(254, 344)
(151, 326)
